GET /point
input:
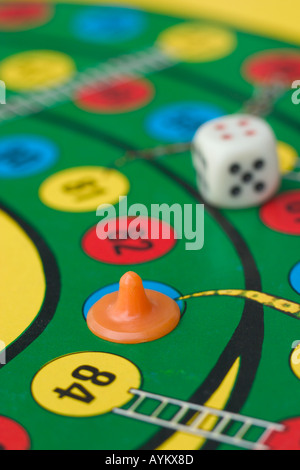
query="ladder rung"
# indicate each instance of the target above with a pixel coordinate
(159, 409)
(136, 404)
(267, 432)
(221, 425)
(199, 419)
(242, 431)
(179, 415)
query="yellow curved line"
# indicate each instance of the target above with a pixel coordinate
(22, 280)
(282, 305)
(185, 441)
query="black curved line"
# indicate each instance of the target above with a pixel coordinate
(247, 339)
(52, 293)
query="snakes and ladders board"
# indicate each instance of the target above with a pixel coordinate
(102, 102)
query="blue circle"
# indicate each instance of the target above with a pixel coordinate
(152, 285)
(25, 155)
(107, 24)
(179, 122)
(295, 278)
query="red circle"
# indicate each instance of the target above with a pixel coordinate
(282, 213)
(288, 439)
(12, 435)
(18, 15)
(128, 251)
(119, 96)
(267, 67)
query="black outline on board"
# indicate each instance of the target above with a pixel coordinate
(52, 294)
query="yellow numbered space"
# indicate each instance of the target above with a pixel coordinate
(35, 70)
(85, 384)
(83, 189)
(295, 361)
(22, 280)
(288, 157)
(194, 42)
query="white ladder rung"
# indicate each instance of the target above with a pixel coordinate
(179, 415)
(136, 404)
(243, 430)
(268, 431)
(199, 419)
(159, 409)
(221, 425)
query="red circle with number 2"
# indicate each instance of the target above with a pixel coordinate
(126, 250)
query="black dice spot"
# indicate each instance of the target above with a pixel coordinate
(235, 191)
(235, 168)
(259, 187)
(247, 177)
(259, 164)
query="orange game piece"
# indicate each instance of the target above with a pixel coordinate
(134, 314)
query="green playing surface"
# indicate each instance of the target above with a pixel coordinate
(227, 352)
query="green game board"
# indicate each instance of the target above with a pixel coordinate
(61, 386)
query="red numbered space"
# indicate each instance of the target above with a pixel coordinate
(121, 245)
(288, 439)
(14, 16)
(282, 213)
(272, 66)
(119, 96)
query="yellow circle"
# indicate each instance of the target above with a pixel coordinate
(194, 42)
(36, 70)
(85, 384)
(288, 157)
(295, 361)
(83, 189)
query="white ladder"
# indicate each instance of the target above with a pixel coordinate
(218, 433)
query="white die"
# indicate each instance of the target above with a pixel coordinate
(236, 161)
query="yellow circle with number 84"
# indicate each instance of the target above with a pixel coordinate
(85, 384)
